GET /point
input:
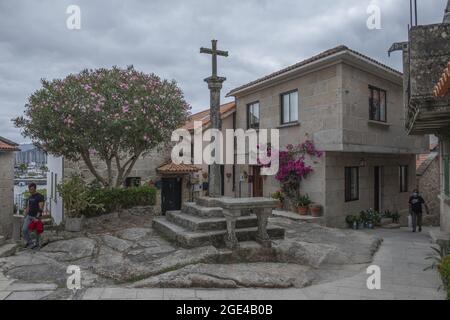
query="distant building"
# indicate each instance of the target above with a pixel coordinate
(7, 149)
(30, 154)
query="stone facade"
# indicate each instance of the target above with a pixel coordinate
(425, 55)
(334, 113)
(6, 192)
(428, 182)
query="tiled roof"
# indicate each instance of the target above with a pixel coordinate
(319, 56)
(8, 145)
(204, 115)
(172, 168)
(443, 86)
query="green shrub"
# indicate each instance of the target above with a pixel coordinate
(444, 270)
(114, 199)
(76, 197)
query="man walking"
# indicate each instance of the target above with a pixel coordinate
(415, 208)
(34, 209)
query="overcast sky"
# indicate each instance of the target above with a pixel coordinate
(164, 37)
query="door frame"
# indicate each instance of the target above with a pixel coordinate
(254, 184)
(178, 180)
(377, 187)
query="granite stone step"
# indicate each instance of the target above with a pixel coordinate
(192, 239)
(197, 223)
(201, 211)
(8, 249)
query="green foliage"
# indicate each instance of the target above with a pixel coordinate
(395, 216)
(76, 197)
(113, 199)
(370, 216)
(303, 201)
(115, 114)
(278, 196)
(444, 270)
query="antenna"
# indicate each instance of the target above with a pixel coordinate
(413, 13)
(415, 10)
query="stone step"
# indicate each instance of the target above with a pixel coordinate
(8, 249)
(192, 239)
(201, 211)
(197, 223)
(207, 202)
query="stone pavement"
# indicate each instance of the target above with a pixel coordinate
(401, 258)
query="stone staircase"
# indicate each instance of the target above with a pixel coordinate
(202, 223)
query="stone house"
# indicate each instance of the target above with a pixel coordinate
(426, 59)
(175, 183)
(7, 149)
(351, 107)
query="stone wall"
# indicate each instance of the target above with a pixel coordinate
(445, 200)
(145, 167)
(428, 182)
(336, 208)
(6, 192)
(360, 134)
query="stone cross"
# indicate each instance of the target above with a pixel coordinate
(215, 85)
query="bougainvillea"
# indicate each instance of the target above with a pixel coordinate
(293, 168)
(115, 115)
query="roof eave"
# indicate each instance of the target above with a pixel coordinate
(385, 72)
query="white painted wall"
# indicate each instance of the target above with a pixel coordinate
(54, 177)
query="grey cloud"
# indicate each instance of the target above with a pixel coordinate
(164, 37)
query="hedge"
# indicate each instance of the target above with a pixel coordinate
(120, 198)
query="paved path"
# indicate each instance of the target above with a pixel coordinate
(401, 259)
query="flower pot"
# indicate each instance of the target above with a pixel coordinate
(280, 205)
(73, 224)
(355, 226)
(303, 211)
(316, 211)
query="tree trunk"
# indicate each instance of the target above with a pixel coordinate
(87, 160)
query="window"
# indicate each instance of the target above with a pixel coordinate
(132, 182)
(377, 104)
(403, 178)
(447, 175)
(253, 115)
(351, 184)
(289, 107)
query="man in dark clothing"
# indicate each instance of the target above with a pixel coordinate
(415, 208)
(34, 209)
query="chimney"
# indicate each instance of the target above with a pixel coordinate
(447, 13)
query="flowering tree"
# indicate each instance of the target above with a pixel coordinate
(293, 168)
(115, 114)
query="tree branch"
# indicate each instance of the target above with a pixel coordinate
(87, 160)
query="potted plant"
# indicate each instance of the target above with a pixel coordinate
(280, 197)
(316, 209)
(395, 217)
(353, 221)
(303, 203)
(76, 199)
